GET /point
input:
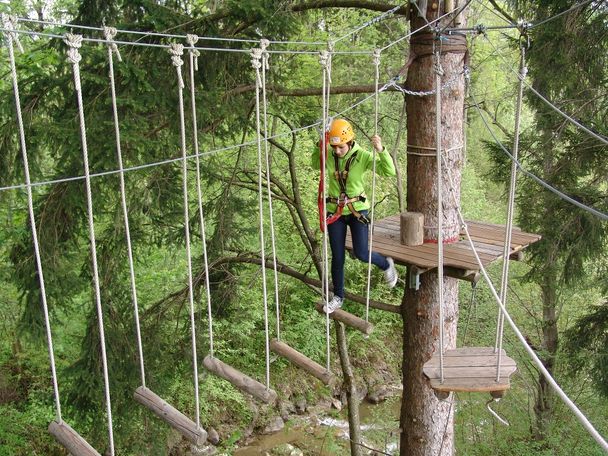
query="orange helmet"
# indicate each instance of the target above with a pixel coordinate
(340, 132)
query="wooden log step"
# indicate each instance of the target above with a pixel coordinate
(169, 414)
(71, 440)
(302, 361)
(348, 319)
(240, 380)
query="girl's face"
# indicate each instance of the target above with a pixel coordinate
(341, 150)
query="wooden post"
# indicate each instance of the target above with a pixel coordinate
(348, 319)
(240, 380)
(412, 228)
(301, 361)
(71, 440)
(173, 417)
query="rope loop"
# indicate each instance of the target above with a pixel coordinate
(110, 33)
(264, 43)
(9, 22)
(324, 57)
(256, 58)
(192, 40)
(177, 50)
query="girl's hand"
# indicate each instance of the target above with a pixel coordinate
(377, 143)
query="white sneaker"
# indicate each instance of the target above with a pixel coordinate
(335, 303)
(390, 275)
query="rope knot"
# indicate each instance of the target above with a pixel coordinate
(256, 58)
(74, 43)
(481, 29)
(192, 40)
(376, 57)
(110, 33)
(177, 50)
(264, 43)
(324, 57)
(438, 68)
(9, 22)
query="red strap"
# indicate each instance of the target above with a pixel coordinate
(320, 200)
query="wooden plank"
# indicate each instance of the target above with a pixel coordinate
(469, 372)
(170, 415)
(240, 380)
(472, 385)
(302, 361)
(71, 440)
(469, 361)
(348, 319)
(472, 351)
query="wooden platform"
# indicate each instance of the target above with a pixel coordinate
(470, 369)
(459, 260)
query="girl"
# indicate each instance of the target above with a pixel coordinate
(347, 204)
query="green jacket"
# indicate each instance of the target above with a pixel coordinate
(354, 183)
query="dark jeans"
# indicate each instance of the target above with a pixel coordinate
(337, 238)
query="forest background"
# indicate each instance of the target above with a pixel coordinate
(558, 297)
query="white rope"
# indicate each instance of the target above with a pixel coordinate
(325, 61)
(563, 396)
(176, 51)
(370, 235)
(74, 42)
(113, 49)
(194, 54)
(256, 63)
(265, 67)
(510, 210)
(30, 206)
(438, 74)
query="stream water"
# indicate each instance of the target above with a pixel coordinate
(327, 434)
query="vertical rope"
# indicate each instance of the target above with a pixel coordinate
(370, 234)
(325, 61)
(110, 33)
(438, 74)
(266, 66)
(509, 228)
(176, 51)
(74, 42)
(256, 63)
(194, 55)
(30, 205)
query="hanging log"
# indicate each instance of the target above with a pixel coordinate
(71, 440)
(302, 361)
(240, 380)
(173, 417)
(348, 319)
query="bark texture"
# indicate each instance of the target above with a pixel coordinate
(427, 425)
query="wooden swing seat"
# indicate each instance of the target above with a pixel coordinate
(169, 414)
(240, 380)
(71, 440)
(302, 361)
(470, 369)
(348, 319)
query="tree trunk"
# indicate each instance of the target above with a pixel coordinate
(351, 392)
(427, 425)
(543, 408)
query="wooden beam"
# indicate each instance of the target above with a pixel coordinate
(240, 380)
(170, 415)
(348, 319)
(71, 440)
(302, 361)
